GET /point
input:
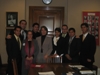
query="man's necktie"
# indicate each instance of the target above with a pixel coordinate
(83, 38)
(22, 34)
(19, 43)
(70, 40)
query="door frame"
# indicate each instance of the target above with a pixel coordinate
(45, 8)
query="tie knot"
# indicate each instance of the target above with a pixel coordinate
(63, 35)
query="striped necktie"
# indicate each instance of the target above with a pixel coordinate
(70, 40)
(19, 42)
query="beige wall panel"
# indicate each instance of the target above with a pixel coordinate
(9, 6)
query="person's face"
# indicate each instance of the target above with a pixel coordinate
(23, 24)
(17, 31)
(43, 31)
(11, 16)
(29, 35)
(64, 29)
(57, 34)
(84, 29)
(71, 33)
(36, 28)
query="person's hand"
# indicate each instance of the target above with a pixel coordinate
(31, 58)
(89, 60)
(8, 37)
(46, 56)
(68, 57)
(27, 58)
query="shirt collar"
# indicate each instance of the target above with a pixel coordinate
(56, 37)
(16, 36)
(85, 34)
(64, 34)
(72, 37)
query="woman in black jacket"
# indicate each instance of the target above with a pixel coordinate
(57, 43)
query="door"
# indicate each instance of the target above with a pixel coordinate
(51, 17)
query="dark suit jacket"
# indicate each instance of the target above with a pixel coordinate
(59, 47)
(35, 35)
(88, 48)
(65, 42)
(13, 49)
(74, 48)
(66, 37)
(14, 52)
(21, 37)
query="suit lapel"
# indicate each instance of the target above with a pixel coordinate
(72, 40)
(45, 41)
(85, 37)
(16, 41)
(40, 41)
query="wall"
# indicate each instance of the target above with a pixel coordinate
(75, 8)
(73, 16)
(62, 3)
(9, 6)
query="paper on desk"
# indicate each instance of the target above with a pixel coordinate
(46, 73)
(69, 73)
(86, 72)
(77, 66)
(39, 66)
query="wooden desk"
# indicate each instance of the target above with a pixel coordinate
(57, 68)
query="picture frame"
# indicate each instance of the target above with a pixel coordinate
(11, 19)
(92, 18)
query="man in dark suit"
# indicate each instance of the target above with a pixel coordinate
(65, 37)
(72, 52)
(13, 47)
(22, 24)
(64, 31)
(35, 30)
(88, 47)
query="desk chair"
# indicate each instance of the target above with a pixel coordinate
(54, 59)
(15, 66)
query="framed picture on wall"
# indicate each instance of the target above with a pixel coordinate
(93, 20)
(11, 19)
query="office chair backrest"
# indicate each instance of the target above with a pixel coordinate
(15, 66)
(54, 59)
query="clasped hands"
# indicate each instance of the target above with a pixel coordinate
(29, 58)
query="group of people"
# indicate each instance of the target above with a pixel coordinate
(34, 46)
